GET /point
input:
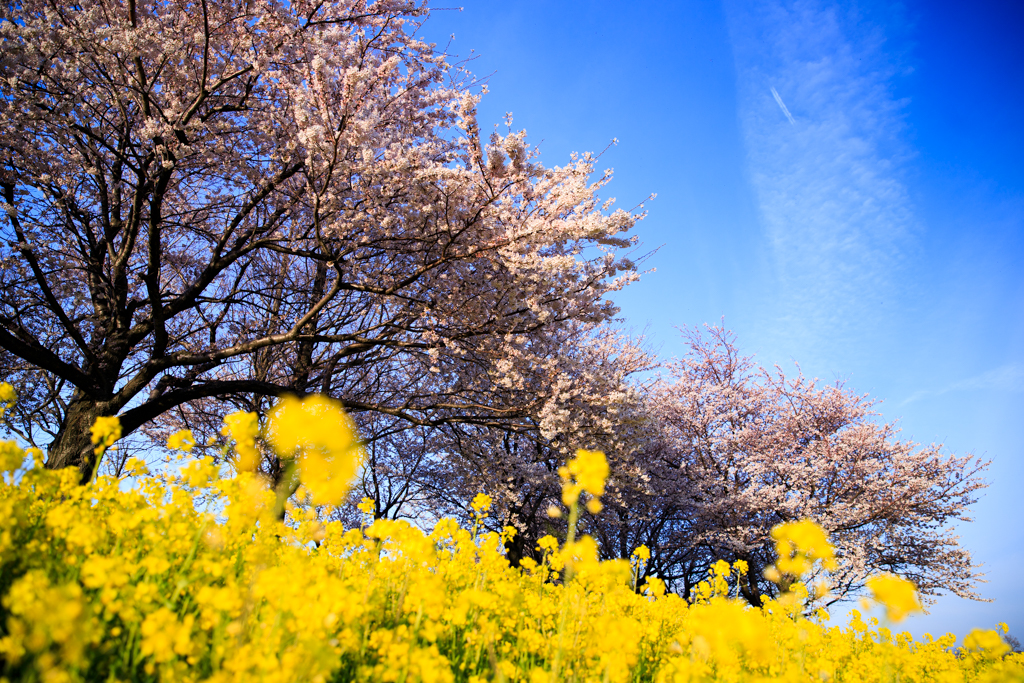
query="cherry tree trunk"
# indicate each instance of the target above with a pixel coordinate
(73, 445)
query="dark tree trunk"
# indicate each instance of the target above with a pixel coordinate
(514, 549)
(73, 446)
(749, 589)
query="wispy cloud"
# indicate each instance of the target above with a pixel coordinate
(836, 213)
(1005, 378)
(782, 105)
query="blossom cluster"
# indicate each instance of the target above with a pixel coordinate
(191, 575)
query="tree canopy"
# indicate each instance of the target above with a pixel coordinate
(225, 199)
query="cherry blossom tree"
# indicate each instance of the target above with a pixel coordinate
(741, 448)
(581, 393)
(590, 395)
(235, 199)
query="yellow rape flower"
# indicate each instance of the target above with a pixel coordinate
(105, 431)
(322, 439)
(897, 595)
(200, 472)
(798, 546)
(654, 587)
(642, 553)
(227, 597)
(11, 456)
(181, 440)
(986, 642)
(587, 472)
(43, 616)
(243, 428)
(163, 636)
(570, 491)
(590, 469)
(135, 467)
(547, 543)
(8, 397)
(481, 503)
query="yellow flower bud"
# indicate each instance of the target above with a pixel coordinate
(105, 431)
(481, 503)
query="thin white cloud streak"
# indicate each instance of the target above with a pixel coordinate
(835, 211)
(1006, 378)
(782, 105)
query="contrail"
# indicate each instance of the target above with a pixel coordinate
(783, 105)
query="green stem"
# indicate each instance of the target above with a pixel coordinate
(570, 537)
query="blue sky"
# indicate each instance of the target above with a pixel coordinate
(874, 233)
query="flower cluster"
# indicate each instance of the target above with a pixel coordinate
(320, 438)
(182, 440)
(800, 546)
(105, 431)
(243, 428)
(897, 595)
(7, 397)
(586, 472)
(189, 576)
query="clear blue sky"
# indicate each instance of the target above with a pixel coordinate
(877, 237)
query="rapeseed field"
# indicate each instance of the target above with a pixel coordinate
(191, 575)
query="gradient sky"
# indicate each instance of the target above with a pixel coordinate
(875, 233)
